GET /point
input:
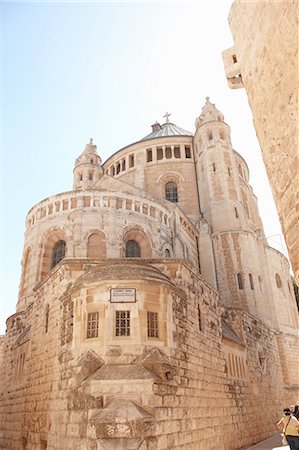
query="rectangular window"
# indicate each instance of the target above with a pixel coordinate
(131, 161)
(152, 324)
(122, 326)
(187, 152)
(149, 155)
(92, 325)
(159, 153)
(210, 135)
(177, 152)
(168, 152)
(123, 165)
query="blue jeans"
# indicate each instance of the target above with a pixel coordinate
(293, 442)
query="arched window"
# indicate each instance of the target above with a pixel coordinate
(199, 318)
(58, 253)
(47, 318)
(167, 253)
(278, 280)
(251, 282)
(240, 281)
(132, 249)
(171, 192)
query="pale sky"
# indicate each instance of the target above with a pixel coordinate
(71, 71)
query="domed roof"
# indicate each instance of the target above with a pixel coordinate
(167, 129)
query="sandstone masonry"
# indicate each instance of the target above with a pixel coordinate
(152, 312)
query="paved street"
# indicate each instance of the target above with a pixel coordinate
(273, 443)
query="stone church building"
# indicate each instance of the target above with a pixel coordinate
(152, 312)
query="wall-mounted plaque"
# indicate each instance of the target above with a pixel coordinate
(123, 295)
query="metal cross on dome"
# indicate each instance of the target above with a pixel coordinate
(167, 116)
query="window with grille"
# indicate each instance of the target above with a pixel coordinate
(177, 152)
(132, 249)
(92, 325)
(171, 192)
(152, 324)
(122, 326)
(58, 253)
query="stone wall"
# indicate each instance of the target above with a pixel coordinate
(265, 61)
(175, 392)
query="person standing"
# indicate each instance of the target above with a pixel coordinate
(289, 425)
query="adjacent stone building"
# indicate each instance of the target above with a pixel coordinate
(152, 312)
(264, 60)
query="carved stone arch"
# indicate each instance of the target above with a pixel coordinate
(49, 241)
(166, 250)
(26, 269)
(96, 244)
(171, 176)
(171, 183)
(136, 233)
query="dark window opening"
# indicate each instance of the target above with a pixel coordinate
(152, 324)
(168, 152)
(171, 192)
(159, 153)
(251, 282)
(131, 161)
(199, 318)
(236, 213)
(90, 176)
(122, 327)
(46, 319)
(187, 152)
(278, 281)
(210, 135)
(58, 253)
(132, 249)
(149, 155)
(177, 152)
(234, 57)
(167, 253)
(214, 167)
(117, 168)
(240, 281)
(92, 325)
(123, 165)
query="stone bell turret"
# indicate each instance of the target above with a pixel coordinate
(87, 170)
(210, 126)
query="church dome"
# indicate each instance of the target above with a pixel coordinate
(167, 129)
